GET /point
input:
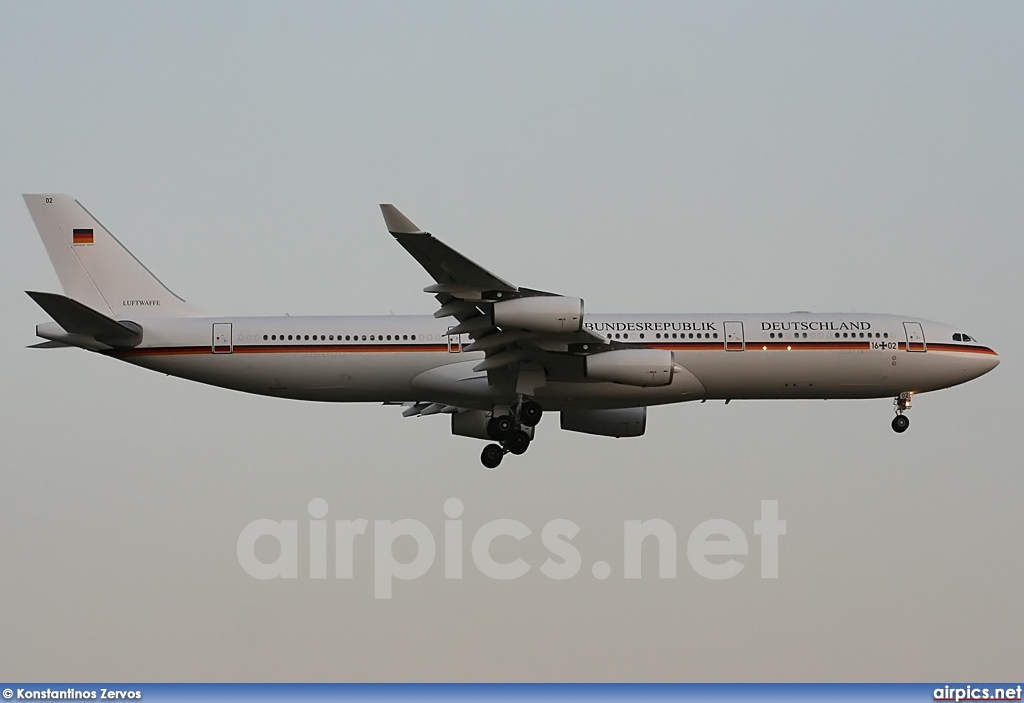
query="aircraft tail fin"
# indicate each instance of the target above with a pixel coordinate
(94, 268)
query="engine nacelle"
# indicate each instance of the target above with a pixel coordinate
(620, 422)
(470, 423)
(542, 313)
(632, 367)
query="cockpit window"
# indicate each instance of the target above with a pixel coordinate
(960, 337)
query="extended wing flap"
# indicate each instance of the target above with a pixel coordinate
(49, 344)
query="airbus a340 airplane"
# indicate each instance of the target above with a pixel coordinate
(495, 356)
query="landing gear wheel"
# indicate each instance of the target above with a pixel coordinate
(518, 443)
(900, 423)
(500, 427)
(530, 413)
(492, 455)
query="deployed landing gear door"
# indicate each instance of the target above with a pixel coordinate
(915, 337)
(734, 336)
(222, 342)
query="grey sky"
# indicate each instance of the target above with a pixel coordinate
(645, 156)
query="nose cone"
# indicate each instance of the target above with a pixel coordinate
(984, 362)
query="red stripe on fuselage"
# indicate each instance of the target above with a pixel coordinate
(436, 348)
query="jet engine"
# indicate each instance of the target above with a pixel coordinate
(632, 367)
(542, 313)
(471, 423)
(619, 422)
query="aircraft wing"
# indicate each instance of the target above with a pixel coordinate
(512, 325)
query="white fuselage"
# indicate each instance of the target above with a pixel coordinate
(494, 356)
(410, 358)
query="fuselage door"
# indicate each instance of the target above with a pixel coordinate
(222, 342)
(454, 341)
(734, 336)
(915, 337)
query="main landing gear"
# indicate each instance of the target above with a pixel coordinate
(901, 422)
(492, 456)
(508, 431)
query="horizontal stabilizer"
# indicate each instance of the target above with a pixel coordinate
(81, 320)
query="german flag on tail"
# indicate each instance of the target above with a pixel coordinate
(81, 236)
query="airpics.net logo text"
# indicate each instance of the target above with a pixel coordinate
(713, 548)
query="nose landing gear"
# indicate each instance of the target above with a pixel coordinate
(508, 432)
(901, 422)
